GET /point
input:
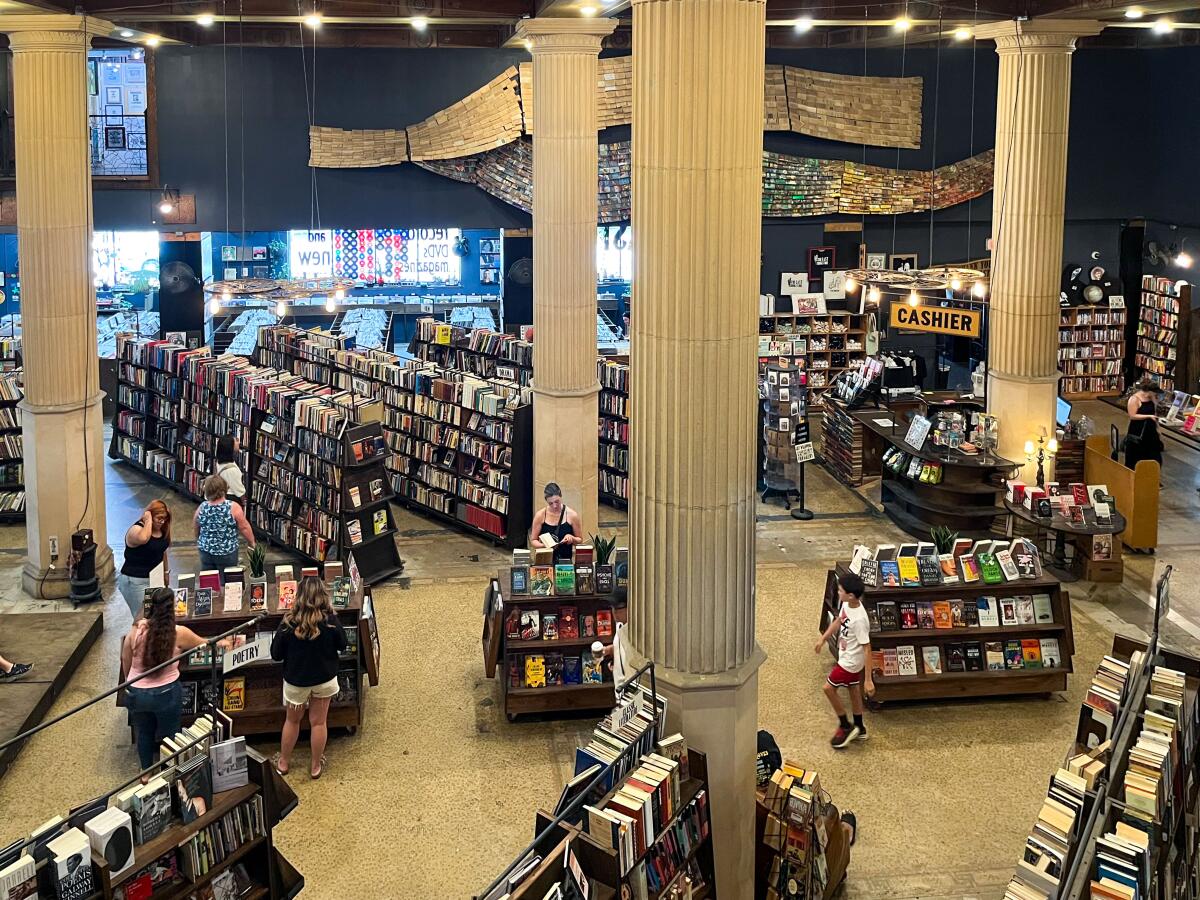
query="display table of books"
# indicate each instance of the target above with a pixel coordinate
(1086, 514)
(252, 694)
(802, 849)
(975, 633)
(546, 626)
(201, 828)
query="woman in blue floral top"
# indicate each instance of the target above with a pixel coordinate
(218, 523)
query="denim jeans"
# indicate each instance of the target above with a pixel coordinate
(219, 562)
(157, 713)
(134, 592)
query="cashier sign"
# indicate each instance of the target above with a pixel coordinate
(936, 319)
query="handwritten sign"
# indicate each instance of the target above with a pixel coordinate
(247, 653)
(805, 452)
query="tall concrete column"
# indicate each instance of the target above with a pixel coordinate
(1033, 102)
(698, 69)
(565, 389)
(61, 414)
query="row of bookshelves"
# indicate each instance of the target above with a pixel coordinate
(1164, 324)
(1091, 352)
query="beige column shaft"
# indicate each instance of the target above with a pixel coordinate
(62, 417)
(564, 258)
(698, 69)
(1033, 103)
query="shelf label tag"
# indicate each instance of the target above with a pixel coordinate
(247, 653)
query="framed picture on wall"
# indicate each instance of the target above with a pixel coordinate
(135, 140)
(112, 95)
(135, 72)
(137, 100)
(903, 262)
(819, 259)
(258, 252)
(114, 137)
(877, 261)
(110, 73)
(114, 114)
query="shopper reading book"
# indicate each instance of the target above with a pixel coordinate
(556, 525)
(308, 643)
(1142, 440)
(146, 544)
(851, 671)
(218, 523)
(227, 468)
(155, 700)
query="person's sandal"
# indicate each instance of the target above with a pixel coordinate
(321, 771)
(281, 772)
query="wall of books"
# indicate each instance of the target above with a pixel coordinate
(12, 448)
(613, 409)
(1091, 351)
(1164, 332)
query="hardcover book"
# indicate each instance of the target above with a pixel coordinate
(1025, 614)
(957, 617)
(889, 616)
(572, 669)
(621, 568)
(1079, 494)
(929, 570)
(869, 573)
(202, 603)
(994, 653)
(604, 579)
(891, 664)
(585, 581)
(593, 669)
(181, 603)
(910, 575)
(872, 617)
(908, 615)
(151, 810)
(232, 598)
(932, 658)
(541, 581)
(1031, 652)
(970, 614)
(1014, 658)
(233, 698)
(550, 627)
(1051, 655)
(587, 625)
(72, 861)
(512, 625)
(531, 628)
(355, 497)
(1008, 610)
(943, 615)
(564, 579)
(379, 521)
(989, 613)
(258, 595)
(354, 530)
(968, 567)
(185, 581)
(194, 789)
(889, 573)
(906, 660)
(604, 623)
(1007, 566)
(518, 580)
(949, 568)
(925, 618)
(989, 569)
(535, 671)
(973, 654)
(283, 572)
(339, 592)
(568, 623)
(209, 578)
(554, 668)
(956, 660)
(287, 594)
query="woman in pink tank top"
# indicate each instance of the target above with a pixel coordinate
(155, 701)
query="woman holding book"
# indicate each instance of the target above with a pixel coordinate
(227, 468)
(218, 523)
(308, 643)
(556, 525)
(146, 544)
(1142, 440)
(155, 700)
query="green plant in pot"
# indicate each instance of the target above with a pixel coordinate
(943, 540)
(258, 561)
(603, 548)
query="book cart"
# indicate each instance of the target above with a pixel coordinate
(12, 442)
(503, 611)
(979, 682)
(257, 708)
(572, 848)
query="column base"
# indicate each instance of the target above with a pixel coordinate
(1025, 405)
(718, 714)
(565, 449)
(45, 585)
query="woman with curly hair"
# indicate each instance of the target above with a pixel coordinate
(308, 643)
(155, 701)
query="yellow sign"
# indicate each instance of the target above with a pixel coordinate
(936, 319)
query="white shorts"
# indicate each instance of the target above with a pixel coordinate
(299, 696)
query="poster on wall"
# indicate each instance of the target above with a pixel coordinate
(809, 305)
(819, 259)
(834, 284)
(389, 256)
(792, 283)
(135, 72)
(877, 261)
(904, 262)
(136, 98)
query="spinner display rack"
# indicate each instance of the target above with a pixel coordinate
(12, 448)
(1165, 337)
(1091, 352)
(613, 410)
(824, 345)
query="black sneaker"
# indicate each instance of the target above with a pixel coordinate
(862, 732)
(844, 737)
(852, 820)
(19, 670)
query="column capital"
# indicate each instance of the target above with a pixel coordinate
(562, 35)
(1033, 35)
(53, 32)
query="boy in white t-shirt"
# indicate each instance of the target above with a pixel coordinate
(853, 670)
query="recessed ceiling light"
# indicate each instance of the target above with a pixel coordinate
(587, 10)
(962, 34)
(420, 24)
(903, 24)
(313, 21)
(803, 24)
(152, 41)
(126, 33)
(1134, 12)
(1164, 26)
(205, 20)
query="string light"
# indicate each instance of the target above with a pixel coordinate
(962, 34)
(420, 24)
(803, 24)
(979, 290)
(851, 284)
(1183, 260)
(914, 299)
(205, 20)
(280, 309)
(902, 24)
(313, 21)
(330, 304)
(1164, 26)
(874, 295)
(956, 284)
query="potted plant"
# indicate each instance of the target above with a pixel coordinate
(944, 540)
(604, 571)
(258, 561)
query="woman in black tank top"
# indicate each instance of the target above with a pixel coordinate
(559, 521)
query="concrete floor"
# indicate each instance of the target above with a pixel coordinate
(438, 790)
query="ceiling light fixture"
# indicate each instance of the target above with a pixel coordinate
(979, 290)
(280, 309)
(313, 21)
(205, 20)
(152, 41)
(914, 299)
(1164, 26)
(1183, 260)
(126, 33)
(587, 10)
(902, 24)
(419, 24)
(962, 34)
(803, 24)
(1134, 12)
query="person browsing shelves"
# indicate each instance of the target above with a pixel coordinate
(560, 522)
(146, 544)
(227, 468)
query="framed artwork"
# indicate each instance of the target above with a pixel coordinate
(262, 271)
(137, 100)
(230, 273)
(112, 95)
(135, 140)
(808, 305)
(228, 253)
(258, 253)
(877, 261)
(819, 259)
(110, 73)
(903, 262)
(114, 137)
(135, 72)
(114, 114)
(93, 77)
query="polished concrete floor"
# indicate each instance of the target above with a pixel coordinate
(438, 790)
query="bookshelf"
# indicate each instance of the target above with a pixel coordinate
(842, 444)
(479, 352)
(12, 448)
(824, 345)
(1091, 352)
(509, 643)
(10, 354)
(613, 410)
(926, 684)
(263, 711)
(1164, 348)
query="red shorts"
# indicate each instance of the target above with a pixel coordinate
(839, 677)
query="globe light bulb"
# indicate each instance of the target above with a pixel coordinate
(979, 290)
(803, 24)
(914, 299)
(280, 309)
(956, 284)
(875, 295)
(330, 304)
(214, 305)
(851, 284)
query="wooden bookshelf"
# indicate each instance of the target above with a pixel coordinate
(479, 352)
(508, 653)
(984, 682)
(12, 445)
(613, 411)
(1167, 335)
(1091, 352)
(823, 345)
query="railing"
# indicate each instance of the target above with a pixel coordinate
(117, 146)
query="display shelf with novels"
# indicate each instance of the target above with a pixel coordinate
(12, 448)
(541, 622)
(1091, 351)
(252, 695)
(800, 841)
(1164, 350)
(842, 443)
(479, 352)
(613, 414)
(966, 638)
(823, 344)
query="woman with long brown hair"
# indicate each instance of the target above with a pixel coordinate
(146, 544)
(155, 701)
(308, 642)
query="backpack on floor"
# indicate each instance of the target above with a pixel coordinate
(768, 758)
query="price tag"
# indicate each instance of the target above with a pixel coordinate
(805, 452)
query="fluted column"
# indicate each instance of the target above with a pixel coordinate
(698, 69)
(564, 258)
(1033, 101)
(61, 414)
